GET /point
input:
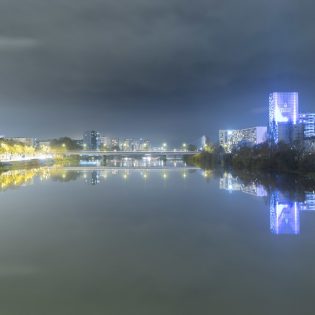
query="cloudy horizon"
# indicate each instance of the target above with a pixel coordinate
(167, 70)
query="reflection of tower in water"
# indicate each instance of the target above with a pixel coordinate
(284, 212)
(284, 215)
(92, 178)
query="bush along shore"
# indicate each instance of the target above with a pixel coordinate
(280, 158)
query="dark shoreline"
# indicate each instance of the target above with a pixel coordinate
(288, 181)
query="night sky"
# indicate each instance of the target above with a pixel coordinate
(169, 70)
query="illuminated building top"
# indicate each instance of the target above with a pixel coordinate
(283, 108)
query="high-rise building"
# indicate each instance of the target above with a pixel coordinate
(308, 120)
(91, 140)
(283, 108)
(230, 139)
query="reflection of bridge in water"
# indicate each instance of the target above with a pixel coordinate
(136, 168)
(131, 153)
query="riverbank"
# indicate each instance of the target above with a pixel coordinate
(287, 180)
(279, 158)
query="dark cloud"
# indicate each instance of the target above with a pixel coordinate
(164, 69)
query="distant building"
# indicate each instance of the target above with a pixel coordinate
(289, 133)
(32, 142)
(283, 109)
(225, 139)
(105, 142)
(127, 145)
(91, 140)
(135, 145)
(145, 145)
(308, 120)
(115, 144)
(230, 139)
(204, 141)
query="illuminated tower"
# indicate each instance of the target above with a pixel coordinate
(284, 111)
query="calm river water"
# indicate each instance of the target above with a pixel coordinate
(160, 241)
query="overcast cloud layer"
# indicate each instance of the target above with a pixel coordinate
(167, 69)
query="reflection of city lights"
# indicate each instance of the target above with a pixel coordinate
(164, 175)
(184, 175)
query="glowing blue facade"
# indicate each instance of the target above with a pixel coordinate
(283, 109)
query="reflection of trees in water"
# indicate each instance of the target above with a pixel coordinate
(16, 178)
(291, 185)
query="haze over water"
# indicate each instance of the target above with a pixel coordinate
(152, 241)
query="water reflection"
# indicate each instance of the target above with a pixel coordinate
(284, 215)
(90, 175)
(126, 162)
(230, 183)
(283, 208)
(17, 178)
